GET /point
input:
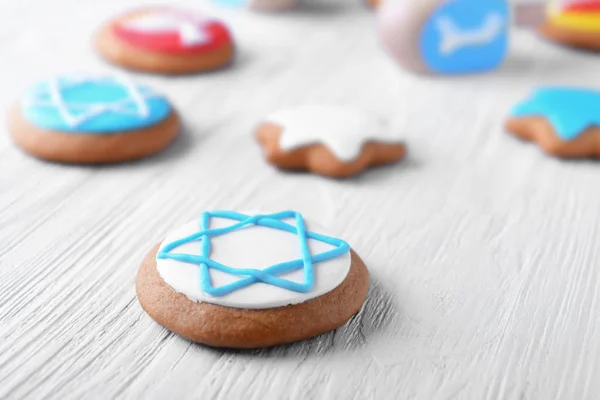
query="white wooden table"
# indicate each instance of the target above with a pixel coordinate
(483, 252)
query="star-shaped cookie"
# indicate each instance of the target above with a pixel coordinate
(563, 121)
(332, 141)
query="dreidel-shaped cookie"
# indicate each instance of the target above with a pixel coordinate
(446, 36)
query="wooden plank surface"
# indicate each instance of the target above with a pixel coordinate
(483, 252)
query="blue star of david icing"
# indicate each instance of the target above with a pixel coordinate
(93, 105)
(466, 36)
(249, 276)
(571, 111)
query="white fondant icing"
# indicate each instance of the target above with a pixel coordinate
(190, 27)
(251, 247)
(342, 130)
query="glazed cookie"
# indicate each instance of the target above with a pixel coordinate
(248, 281)
(261, 5)
(92, 120)
(331, 141)
(445, 36)
(565, 122)
(166, 40)
(576, 24)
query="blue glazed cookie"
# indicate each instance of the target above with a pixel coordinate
(93, 120)
(564, 121)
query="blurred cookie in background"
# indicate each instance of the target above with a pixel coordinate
(446, 37)
(166, 40)
(92, 120)
(563, 121)
(574, 23)
(373, 3)
(337, 142)
(260, 5)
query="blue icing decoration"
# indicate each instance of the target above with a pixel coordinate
(466, 36)
(252, 276)
(101, 105)
(570, 110)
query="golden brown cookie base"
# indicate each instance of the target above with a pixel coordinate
(569, 37)
(118, 52)
(272, 5)
(87, 148)
(373, 3)
(319, 159)
(220, 326)
(539, 129)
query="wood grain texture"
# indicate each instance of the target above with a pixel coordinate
(482, 250)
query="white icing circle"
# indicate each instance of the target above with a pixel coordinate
(255, 247)
(343, 130)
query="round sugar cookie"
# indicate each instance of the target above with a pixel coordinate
(92, 120)
(333, 141)
(166, 40)
(576, 24)
(251, 280)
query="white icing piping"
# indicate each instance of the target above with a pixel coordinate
(139, 95)
(57, 100)
(190, 34)
(135, 94)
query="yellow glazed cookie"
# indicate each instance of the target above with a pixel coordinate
(576, 25)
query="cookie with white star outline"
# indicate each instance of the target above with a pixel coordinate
(92, 120)
(336, 142)
(564, 122)
(166, 40)
(287, 298)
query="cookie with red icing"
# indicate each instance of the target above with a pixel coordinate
(576, 24)
(166, 40)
